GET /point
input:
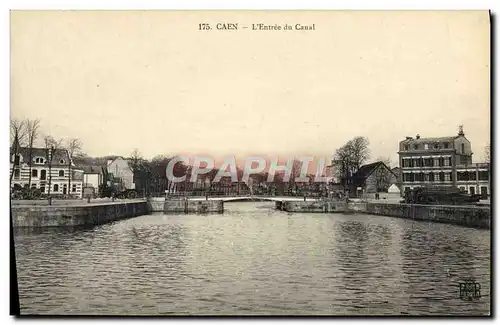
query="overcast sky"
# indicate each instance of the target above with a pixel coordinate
(153, 81)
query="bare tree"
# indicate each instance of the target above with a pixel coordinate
(18, 135)
(73, 146)
(32, 134)
(294, 174)
(52, 147)
(350, 157)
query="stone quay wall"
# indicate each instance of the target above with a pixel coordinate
(187, 206)
(97, 213)
(75, 215)
(467, 216)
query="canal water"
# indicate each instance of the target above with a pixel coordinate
(253, 260)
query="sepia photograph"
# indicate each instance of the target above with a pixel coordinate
(250, 163)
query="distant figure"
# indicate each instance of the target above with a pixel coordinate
(448, 272)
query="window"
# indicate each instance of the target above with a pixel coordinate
(436, 145)
(39, 160)
(17, 173)
(447, 177)
(446, 162)
(42, 188)
(441, 177)
(415, 147)
(56, 187)
(43, 175)
(472, 190)
(463, 147)
(426, 146)
(61, 173)
(17, 159)
(34, 173)
(462, 189)
(33, 185)
(446, 145)
(431, 177)
(441, 161)
(483, 175)
(73, 188)
(407, 147)
(62, 161)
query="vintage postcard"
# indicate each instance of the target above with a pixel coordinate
(243, 163)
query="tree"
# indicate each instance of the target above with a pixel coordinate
(73, 146)
(137, 164)
(32, 134)
(18, 134)
(52, 147)
(350, 157)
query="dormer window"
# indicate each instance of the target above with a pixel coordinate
(62, 161)
(415, 147)
(426, 146)
(446, 145)
(407, 147)
(39, 160)
(436, 145)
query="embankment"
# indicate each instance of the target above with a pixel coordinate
(467, 216)
(84, 214)
(75, 214)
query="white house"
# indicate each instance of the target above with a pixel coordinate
(60, 171)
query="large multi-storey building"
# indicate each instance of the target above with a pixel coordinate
(443, 161)
(60, 170)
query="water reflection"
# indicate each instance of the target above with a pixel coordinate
(252, 260)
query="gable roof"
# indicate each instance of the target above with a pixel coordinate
(41, 152)
(366, 170)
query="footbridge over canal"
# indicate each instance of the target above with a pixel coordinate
(251, 198)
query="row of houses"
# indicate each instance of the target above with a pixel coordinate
(438, 161)
(60, 176)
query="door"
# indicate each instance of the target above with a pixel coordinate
(484, 192)
(65, 189)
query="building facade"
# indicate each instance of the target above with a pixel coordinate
(442, 161)
(119, 169)
(371, 178)
(40, 178)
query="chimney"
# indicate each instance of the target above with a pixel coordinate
(417, 136)
(461, 130)
(409, 138)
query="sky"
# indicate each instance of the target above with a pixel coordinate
(152, 80)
